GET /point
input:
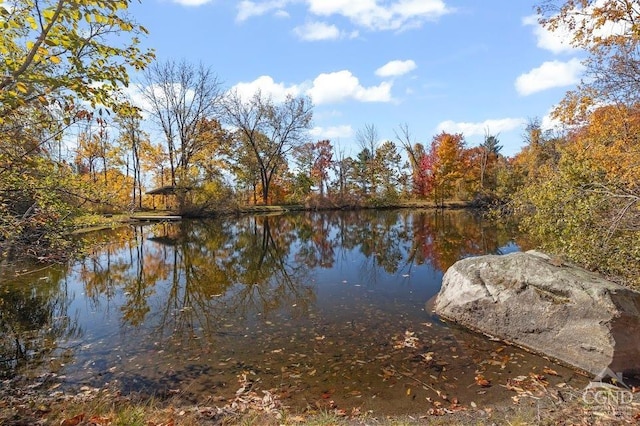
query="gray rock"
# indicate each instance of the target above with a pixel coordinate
(565, 312)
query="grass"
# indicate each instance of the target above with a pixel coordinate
(109, 408)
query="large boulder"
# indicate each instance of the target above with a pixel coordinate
(562, 311)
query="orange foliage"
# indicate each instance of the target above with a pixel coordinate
(610, 143)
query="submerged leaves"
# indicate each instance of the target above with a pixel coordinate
(408, 340)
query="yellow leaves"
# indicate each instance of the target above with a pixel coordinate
(22, 87)
(608, 145)
(31, 55)
(32, 22)
(48, 14)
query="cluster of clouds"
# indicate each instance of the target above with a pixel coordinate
(550, 74)
(359, 15)
(346, 19)
(333, 87)
(370, 15)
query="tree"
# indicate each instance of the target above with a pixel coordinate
(363, 172)
(131, 137)
(587, 206)
(342, 166)
(180, 96)
(540, 152)
(57, 51)
(211, 158)
(489, 152)
(322, 163)
(416, 153)
(609, 30)
(56, 57)
(387, 161)
(268, 130)
(314, 159)
(245, 167)
(445, 165)
(367, 139)
(154, 159)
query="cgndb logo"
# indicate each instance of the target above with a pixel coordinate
(614, 394)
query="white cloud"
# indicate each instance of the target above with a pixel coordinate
(248, 9)
(192, 3)
(139, 96)
(396, 68)
(343, 85)
(475, 129)
(281, 14)
(333, 132)
(549, 75)
(550, 123)
(374, 15)
(326, 88)
(268, 87)
(314, 31)
(558, 41)
(136, 97)
(370, 14)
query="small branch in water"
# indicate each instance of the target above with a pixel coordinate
(426, 385)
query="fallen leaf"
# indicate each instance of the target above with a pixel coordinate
(326, 394)
(481, 381)
(550, 372)
(99, 421)
(73, 421)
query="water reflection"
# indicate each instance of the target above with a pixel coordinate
(34, 319)
(308, 304)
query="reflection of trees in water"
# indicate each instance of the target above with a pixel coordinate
(34, 319)
(209, 278)
(443, 237)
(127, 263)
(393, 241)
(378, 236)
(315, 245)
(213, 273)
(202, 275)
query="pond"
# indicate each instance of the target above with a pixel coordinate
(321, 309)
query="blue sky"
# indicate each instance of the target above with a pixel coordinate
(460, 66)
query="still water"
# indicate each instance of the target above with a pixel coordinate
(321, 309)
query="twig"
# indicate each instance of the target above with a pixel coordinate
(428, 386)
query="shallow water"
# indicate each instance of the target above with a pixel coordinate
(321, 309)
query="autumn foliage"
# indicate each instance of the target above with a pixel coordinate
(70, 142)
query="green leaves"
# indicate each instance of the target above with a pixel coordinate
(582, 200)
(55, 48)
(56, 55)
